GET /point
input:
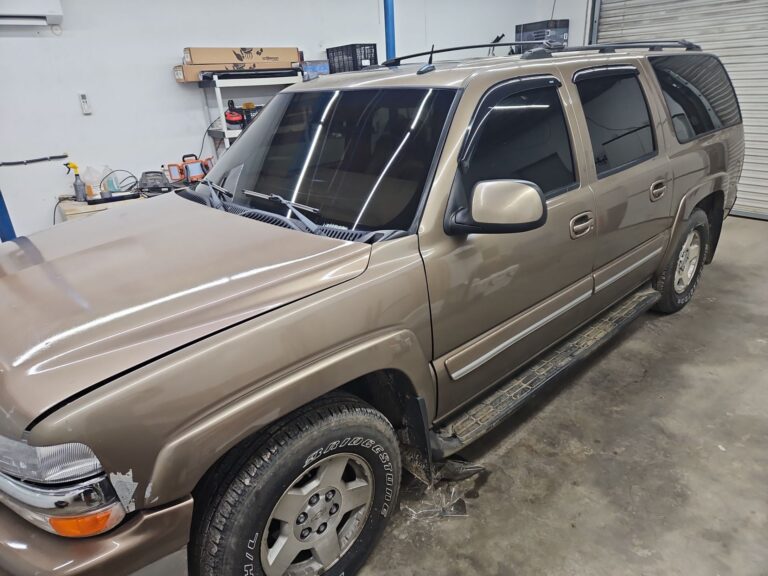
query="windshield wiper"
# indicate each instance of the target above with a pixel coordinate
(222, 193)
(295, 206)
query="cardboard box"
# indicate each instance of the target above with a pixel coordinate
(191, 72)
(240, 55)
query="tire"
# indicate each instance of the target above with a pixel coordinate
(309, 470)
(679, 279)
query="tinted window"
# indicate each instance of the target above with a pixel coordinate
(361, 157)
(698, 93)
(618, 121)
(523, 137)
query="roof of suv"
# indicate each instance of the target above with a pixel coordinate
(456, 73)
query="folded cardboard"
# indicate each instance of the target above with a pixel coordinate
(191, 72)
(240, 55)
(314, 68)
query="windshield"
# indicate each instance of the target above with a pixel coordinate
(360, 157)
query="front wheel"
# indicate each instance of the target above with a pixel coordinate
(678, 281)
(310, 496)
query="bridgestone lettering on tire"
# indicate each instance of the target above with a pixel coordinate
(322, 483)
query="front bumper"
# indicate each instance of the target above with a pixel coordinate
(149, 538)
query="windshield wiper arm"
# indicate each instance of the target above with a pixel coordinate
(222, 193)
(295, 206)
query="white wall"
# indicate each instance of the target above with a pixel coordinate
(121, 54)
(420, 23)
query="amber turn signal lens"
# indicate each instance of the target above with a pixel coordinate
(87, 525)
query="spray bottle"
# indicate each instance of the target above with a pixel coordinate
(78, 185)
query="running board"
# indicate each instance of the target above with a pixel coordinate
(466, 427)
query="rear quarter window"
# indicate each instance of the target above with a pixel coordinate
(698, 93)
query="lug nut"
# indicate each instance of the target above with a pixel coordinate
(305, 533)
(302, 518)
(329, 495)
(321, 528)
(314, 499)
(334, 509)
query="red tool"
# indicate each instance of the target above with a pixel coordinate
(234, 116)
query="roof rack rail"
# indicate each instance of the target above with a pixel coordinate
(397, 59)
(544, 49)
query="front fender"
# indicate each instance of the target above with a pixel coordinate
(179, 465)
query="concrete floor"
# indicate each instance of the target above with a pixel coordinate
(651, 459)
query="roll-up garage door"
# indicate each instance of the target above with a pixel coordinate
(735, 31)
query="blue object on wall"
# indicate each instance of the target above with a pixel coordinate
(389, 27)
(6, 226)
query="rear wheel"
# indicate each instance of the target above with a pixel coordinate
(679, 280)
(309, 496)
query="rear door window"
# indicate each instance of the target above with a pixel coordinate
(698, 93)
(618, 120)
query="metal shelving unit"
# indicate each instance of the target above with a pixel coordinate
(223, 81)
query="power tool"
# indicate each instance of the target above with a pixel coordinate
(234, 116)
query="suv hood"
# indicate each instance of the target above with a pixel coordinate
(87, 300)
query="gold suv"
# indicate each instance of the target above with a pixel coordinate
(384, 266)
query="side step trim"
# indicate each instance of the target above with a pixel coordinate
(464, 428)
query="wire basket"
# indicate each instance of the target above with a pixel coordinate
(351, 57)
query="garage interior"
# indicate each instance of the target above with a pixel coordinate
(649, 458)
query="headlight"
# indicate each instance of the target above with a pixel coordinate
(47, 464)
(61, 489)
(78, 510)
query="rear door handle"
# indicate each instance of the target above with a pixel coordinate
(582, 224)
(657, 190)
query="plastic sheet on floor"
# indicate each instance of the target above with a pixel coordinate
(439, 501)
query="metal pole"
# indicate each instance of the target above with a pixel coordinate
(389, 27)
(596, 5)
(6, 226)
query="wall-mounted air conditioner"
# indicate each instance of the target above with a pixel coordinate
(30, 12)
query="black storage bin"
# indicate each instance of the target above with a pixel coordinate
(351, 57)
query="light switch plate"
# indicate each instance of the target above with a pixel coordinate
(85, 105)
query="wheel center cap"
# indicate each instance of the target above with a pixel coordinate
(318, 515)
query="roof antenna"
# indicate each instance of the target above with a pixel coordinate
(428, 67)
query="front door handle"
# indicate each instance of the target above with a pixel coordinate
(582, 224)
(657, 190)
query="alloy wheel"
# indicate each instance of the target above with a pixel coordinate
(318, 517)
(687, 261)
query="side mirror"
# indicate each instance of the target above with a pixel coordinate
(501, 207)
